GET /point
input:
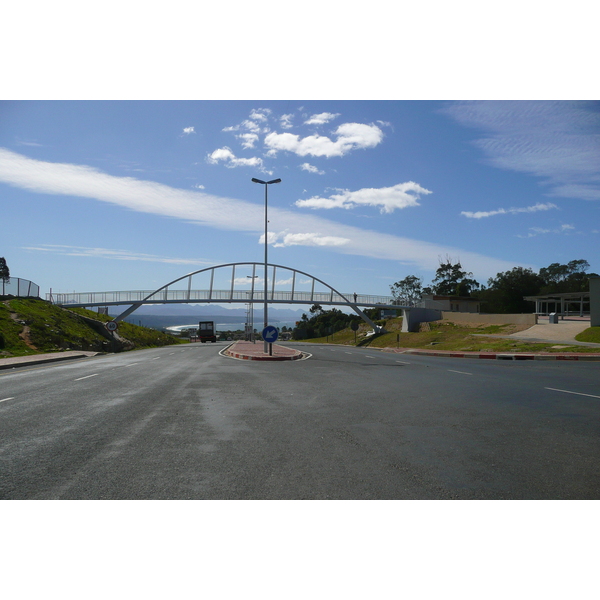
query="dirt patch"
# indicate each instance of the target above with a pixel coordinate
(25, 334)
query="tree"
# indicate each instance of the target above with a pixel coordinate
(571, 277)
(407, 291)
(505, 292)
(451, 280)
(4, 272)
(315, 310)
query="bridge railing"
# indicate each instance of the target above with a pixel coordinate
(166, 296)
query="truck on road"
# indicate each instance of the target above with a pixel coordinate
(206, 331)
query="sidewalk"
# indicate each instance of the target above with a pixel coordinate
(250, 351)
(39, 359)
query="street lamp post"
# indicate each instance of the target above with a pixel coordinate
(253, 277)
(266, 184)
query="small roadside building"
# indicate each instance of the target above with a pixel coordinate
(565, 304)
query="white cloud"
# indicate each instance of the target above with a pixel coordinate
(231, 161)
(504, 211)
(260, 114)
(81, 181)
(248, 139)
(23, 143)
(321, 118)
(243, 281)
(112, 254)
(535, 231)
(198, 186)
(188, 130)
(311, 169)
(308, 239)
(286, 121)
(388, 199)
(249, 125)
(349, 136)
(259, 282)
(558, 141)
(252, 124)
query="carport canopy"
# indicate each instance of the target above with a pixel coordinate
(562, 303)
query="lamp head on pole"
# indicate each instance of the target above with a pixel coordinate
(254, 180)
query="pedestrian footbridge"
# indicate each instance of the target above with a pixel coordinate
(242, 283)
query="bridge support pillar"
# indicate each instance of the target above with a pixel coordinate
(127, 312)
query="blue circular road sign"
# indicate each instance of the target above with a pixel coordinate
(270, 334)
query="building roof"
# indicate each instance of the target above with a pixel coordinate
(560, 296)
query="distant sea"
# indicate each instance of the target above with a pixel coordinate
(233, 326)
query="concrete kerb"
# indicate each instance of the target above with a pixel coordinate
(41, 359)
(570, 356)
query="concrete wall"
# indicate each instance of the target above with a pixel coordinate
(457, 317)
(413, 316)
(595, 302)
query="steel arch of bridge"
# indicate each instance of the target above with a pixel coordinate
(163, 295)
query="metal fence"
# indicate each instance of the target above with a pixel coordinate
(22, 288)
(167, 296)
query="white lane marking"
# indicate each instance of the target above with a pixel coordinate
(349, 352)
(131, 365)
(86, 377)
(5, 399)
(367, 356)
(461, 372)
(569, 392)
(402, 362)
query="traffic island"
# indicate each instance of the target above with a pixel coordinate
(255, 351)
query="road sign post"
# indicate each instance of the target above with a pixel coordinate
(270, 335)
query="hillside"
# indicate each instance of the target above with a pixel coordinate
(445, 335)
(29, 326)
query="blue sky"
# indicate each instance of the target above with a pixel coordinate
(110, 195)
(127, 145)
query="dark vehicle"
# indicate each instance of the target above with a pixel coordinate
(206, 331)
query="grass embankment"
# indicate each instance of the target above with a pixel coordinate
(445, 335)
(590, 335)
(29, 326)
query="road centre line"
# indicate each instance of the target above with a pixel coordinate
(130, 365)
(402, 362)
(156, 358)
(461, 372)
(5, 399)
(569, 392)
(86, 377)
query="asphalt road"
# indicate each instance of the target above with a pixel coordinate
(186, 423)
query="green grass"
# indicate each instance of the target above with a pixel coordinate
(451, 337)
(590, 335)
(10, 342)
(52, 329)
